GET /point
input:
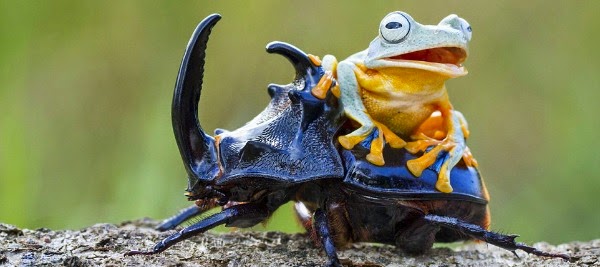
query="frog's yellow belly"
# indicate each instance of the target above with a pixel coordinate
(401, 113)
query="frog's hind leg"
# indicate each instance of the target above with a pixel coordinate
(455, 154)
(418, 165)
(454, 144)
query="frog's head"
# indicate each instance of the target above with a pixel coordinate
(405, 43)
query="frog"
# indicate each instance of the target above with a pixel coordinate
(395, 90)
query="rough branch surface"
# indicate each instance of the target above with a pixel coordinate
(104, 244)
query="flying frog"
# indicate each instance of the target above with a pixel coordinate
(396, 86)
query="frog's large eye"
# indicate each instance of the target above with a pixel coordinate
(394, 28)
(466, 28)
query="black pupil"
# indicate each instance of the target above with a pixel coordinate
(393, 25)
(469, 29)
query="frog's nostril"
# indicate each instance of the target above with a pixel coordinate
(393, 25)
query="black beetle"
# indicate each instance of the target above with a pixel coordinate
(289, 152)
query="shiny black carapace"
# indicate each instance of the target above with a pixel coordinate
(289, 152)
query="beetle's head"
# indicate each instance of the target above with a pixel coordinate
(263, 156)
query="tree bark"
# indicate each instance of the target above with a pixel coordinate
(104, 245)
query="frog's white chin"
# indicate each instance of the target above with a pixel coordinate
(450, 70)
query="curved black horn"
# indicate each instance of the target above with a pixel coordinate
(196, 148)
(297, 57)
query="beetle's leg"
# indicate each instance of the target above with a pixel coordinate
(180, 217)
(201, 206)
(243, 215)
(321, 225)
(504, 241)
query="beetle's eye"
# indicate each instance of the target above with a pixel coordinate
(394, 28)
(466, 28)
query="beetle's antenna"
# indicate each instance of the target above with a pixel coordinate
(196, 147)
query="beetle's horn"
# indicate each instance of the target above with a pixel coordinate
(197, 149)
(297, 57)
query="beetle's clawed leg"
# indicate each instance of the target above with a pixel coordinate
(201, 206)
(243, 215)
(504, 241)
(321, 226)
(182, 216)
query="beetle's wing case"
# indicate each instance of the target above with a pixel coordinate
(395, 180)
(292, 139)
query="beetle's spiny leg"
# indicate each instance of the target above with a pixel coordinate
(535, 251)
(197, 228)
(179, 218)
(201, 206)
(504, 241)
(321, 225)
(244, 215)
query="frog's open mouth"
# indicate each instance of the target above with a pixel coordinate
(445, 60)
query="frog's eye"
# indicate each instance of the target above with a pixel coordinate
(394, 28)
(466, 28)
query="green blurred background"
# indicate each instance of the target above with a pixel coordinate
(86, 86)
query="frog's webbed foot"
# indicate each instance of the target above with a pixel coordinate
(468, 158)
(384, 135)
(449, 150)
(454, 153)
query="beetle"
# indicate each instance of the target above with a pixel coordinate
(289, 152)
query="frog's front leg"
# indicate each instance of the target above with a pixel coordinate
(453, 144)
(355, 110)
(353, 106)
